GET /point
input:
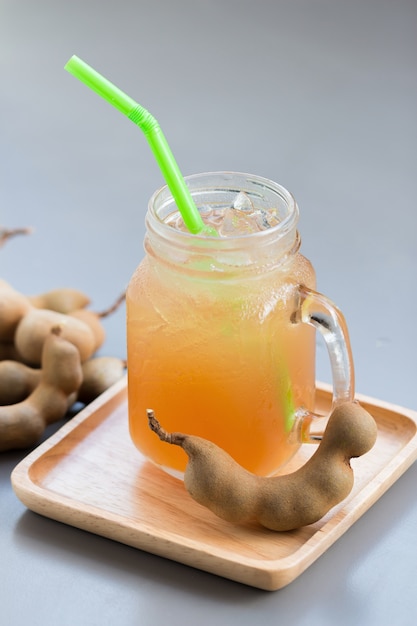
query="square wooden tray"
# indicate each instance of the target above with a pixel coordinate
(89, 475)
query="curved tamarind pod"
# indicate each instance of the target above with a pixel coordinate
(284, 502)
(215, 480)
(17, 381)
(327, 478)
(92, 320)
(8, 351)
(13, 307)
(22, 424)
(63, 300)
(36, 325)
(212, 477)
(99, 373)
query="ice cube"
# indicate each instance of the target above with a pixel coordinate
(266, 219)
(236, 222)
(243, 202)
(205, 211)
(176, 221)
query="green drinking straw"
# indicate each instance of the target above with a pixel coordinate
(156, 139)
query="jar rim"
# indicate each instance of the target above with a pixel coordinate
(226, 181)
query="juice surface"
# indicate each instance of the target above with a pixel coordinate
(220, 359)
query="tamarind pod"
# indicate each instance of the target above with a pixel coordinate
(327, 477)
(99, 373)
(8, 351)
(36, 325)
(210, 479)
(22, 424)
(17, 381)
(61, 363)
(284, 502)
(72, 398)
(350, 432)
(62, 300)
(92, 320)
(13, 307)
(21, 427)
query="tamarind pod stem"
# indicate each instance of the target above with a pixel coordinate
(7, 233)
(113, 307)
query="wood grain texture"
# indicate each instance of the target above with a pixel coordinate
(89, 475)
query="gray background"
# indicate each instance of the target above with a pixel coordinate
(318, 95)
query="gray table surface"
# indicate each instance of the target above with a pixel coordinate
(318, 95)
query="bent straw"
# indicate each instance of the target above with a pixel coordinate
(156, 139)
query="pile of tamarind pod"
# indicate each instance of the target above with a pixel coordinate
(44, 339)
(280, 503)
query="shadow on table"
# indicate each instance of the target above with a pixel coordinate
(80, 547)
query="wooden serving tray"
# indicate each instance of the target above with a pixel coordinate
(89, 475)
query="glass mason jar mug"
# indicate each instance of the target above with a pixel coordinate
(221, 331)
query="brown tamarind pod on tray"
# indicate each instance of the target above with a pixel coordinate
(280, 503)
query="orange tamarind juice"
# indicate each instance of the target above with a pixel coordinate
(220, 360)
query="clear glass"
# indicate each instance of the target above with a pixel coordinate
(221, 332)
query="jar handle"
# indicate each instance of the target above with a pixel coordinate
(317, 310)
